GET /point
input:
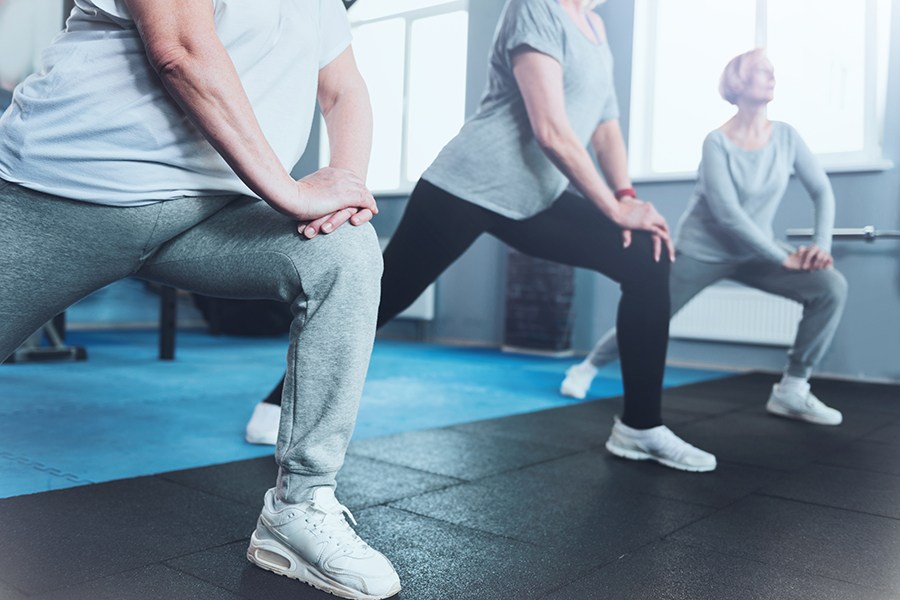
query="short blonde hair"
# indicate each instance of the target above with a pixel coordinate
(734, 77)
(591, 4)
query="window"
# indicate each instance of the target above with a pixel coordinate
(412, 54)
(830, 59)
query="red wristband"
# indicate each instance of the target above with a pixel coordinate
(626, 192)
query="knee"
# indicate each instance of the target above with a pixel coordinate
(352, 256)
(643, 274)
(834, 288)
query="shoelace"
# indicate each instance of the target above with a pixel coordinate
(339, 522)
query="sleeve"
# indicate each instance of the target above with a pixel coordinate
(813, 177)
(116, 10)
(722, 198)
(334, 30)
(531, 24)
(610, 107)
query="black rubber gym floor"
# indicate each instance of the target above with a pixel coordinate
(522, 507)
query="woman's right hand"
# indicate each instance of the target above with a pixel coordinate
(808, 258)
(326, 199)
(632, 213)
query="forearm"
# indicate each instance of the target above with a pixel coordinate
(815, 180)
(824, 221)
(203, 81)
(348, 121)
(609, 146)
(572, 159)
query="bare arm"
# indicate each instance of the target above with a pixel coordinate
(193, 65)
(540, 80)
(609, 146)
(344, 102)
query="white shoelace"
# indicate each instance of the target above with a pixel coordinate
(335, 526)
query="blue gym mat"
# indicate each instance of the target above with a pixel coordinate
(123, 413)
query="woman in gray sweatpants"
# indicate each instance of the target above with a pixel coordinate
(726, 233)
(156, 142)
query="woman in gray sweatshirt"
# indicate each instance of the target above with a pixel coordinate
(726, 233)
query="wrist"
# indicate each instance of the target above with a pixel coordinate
(627, 192)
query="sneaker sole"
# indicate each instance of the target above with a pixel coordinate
(638, 455)
(567, 390)
(271, 556)
(260, 439)
(774, 409)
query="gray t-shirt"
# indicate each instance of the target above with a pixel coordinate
(729, 218)
(495, 161)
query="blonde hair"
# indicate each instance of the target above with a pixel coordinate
(590, 4)
(734, 77)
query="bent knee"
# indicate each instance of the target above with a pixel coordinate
(351, 253)
(835, 286)
(644, 274)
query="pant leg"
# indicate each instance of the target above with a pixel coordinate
(573, 231)
(822, 293)
(688, 277)
(435, 230)
(55, 251)
(248, 250)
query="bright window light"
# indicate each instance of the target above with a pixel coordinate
(437, 101)
(830, 59)
(412, 54)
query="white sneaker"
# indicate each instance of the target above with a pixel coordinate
(312, 542)
(262, 428)
(803, 406)
(659, 444)
(578, 380)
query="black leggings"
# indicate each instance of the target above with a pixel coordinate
(438, 227)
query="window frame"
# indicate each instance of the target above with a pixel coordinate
(410, 16)
(641, 126)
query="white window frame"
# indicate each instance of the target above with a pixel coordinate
(640, 135)
(410, 16)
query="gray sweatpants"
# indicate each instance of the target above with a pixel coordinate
(54, 252)
(822, 294)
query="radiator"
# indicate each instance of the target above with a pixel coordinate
(423, 308)
(728, 313)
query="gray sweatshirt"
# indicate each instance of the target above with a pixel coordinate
(729, 218)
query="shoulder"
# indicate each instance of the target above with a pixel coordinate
(525, 11)
(714, 139)
(784, 131)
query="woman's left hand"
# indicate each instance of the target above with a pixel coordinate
(329, 223)
(636, 214)
(813, 258)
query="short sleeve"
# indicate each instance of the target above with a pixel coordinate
(532, 24)
(116, 10)
(610, 107)
(334, 30)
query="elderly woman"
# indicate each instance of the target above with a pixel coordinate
(550, 94)
(726, 233)
(144, 147)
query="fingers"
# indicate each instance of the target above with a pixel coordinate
(363, 216)
(329, 223)
(626, 238)
(312, 228)
(657, 248)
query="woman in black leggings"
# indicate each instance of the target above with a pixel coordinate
(506, 173)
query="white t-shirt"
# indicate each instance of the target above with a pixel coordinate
(95, 124)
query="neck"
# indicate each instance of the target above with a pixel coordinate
(751, 117)
(572, 5)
